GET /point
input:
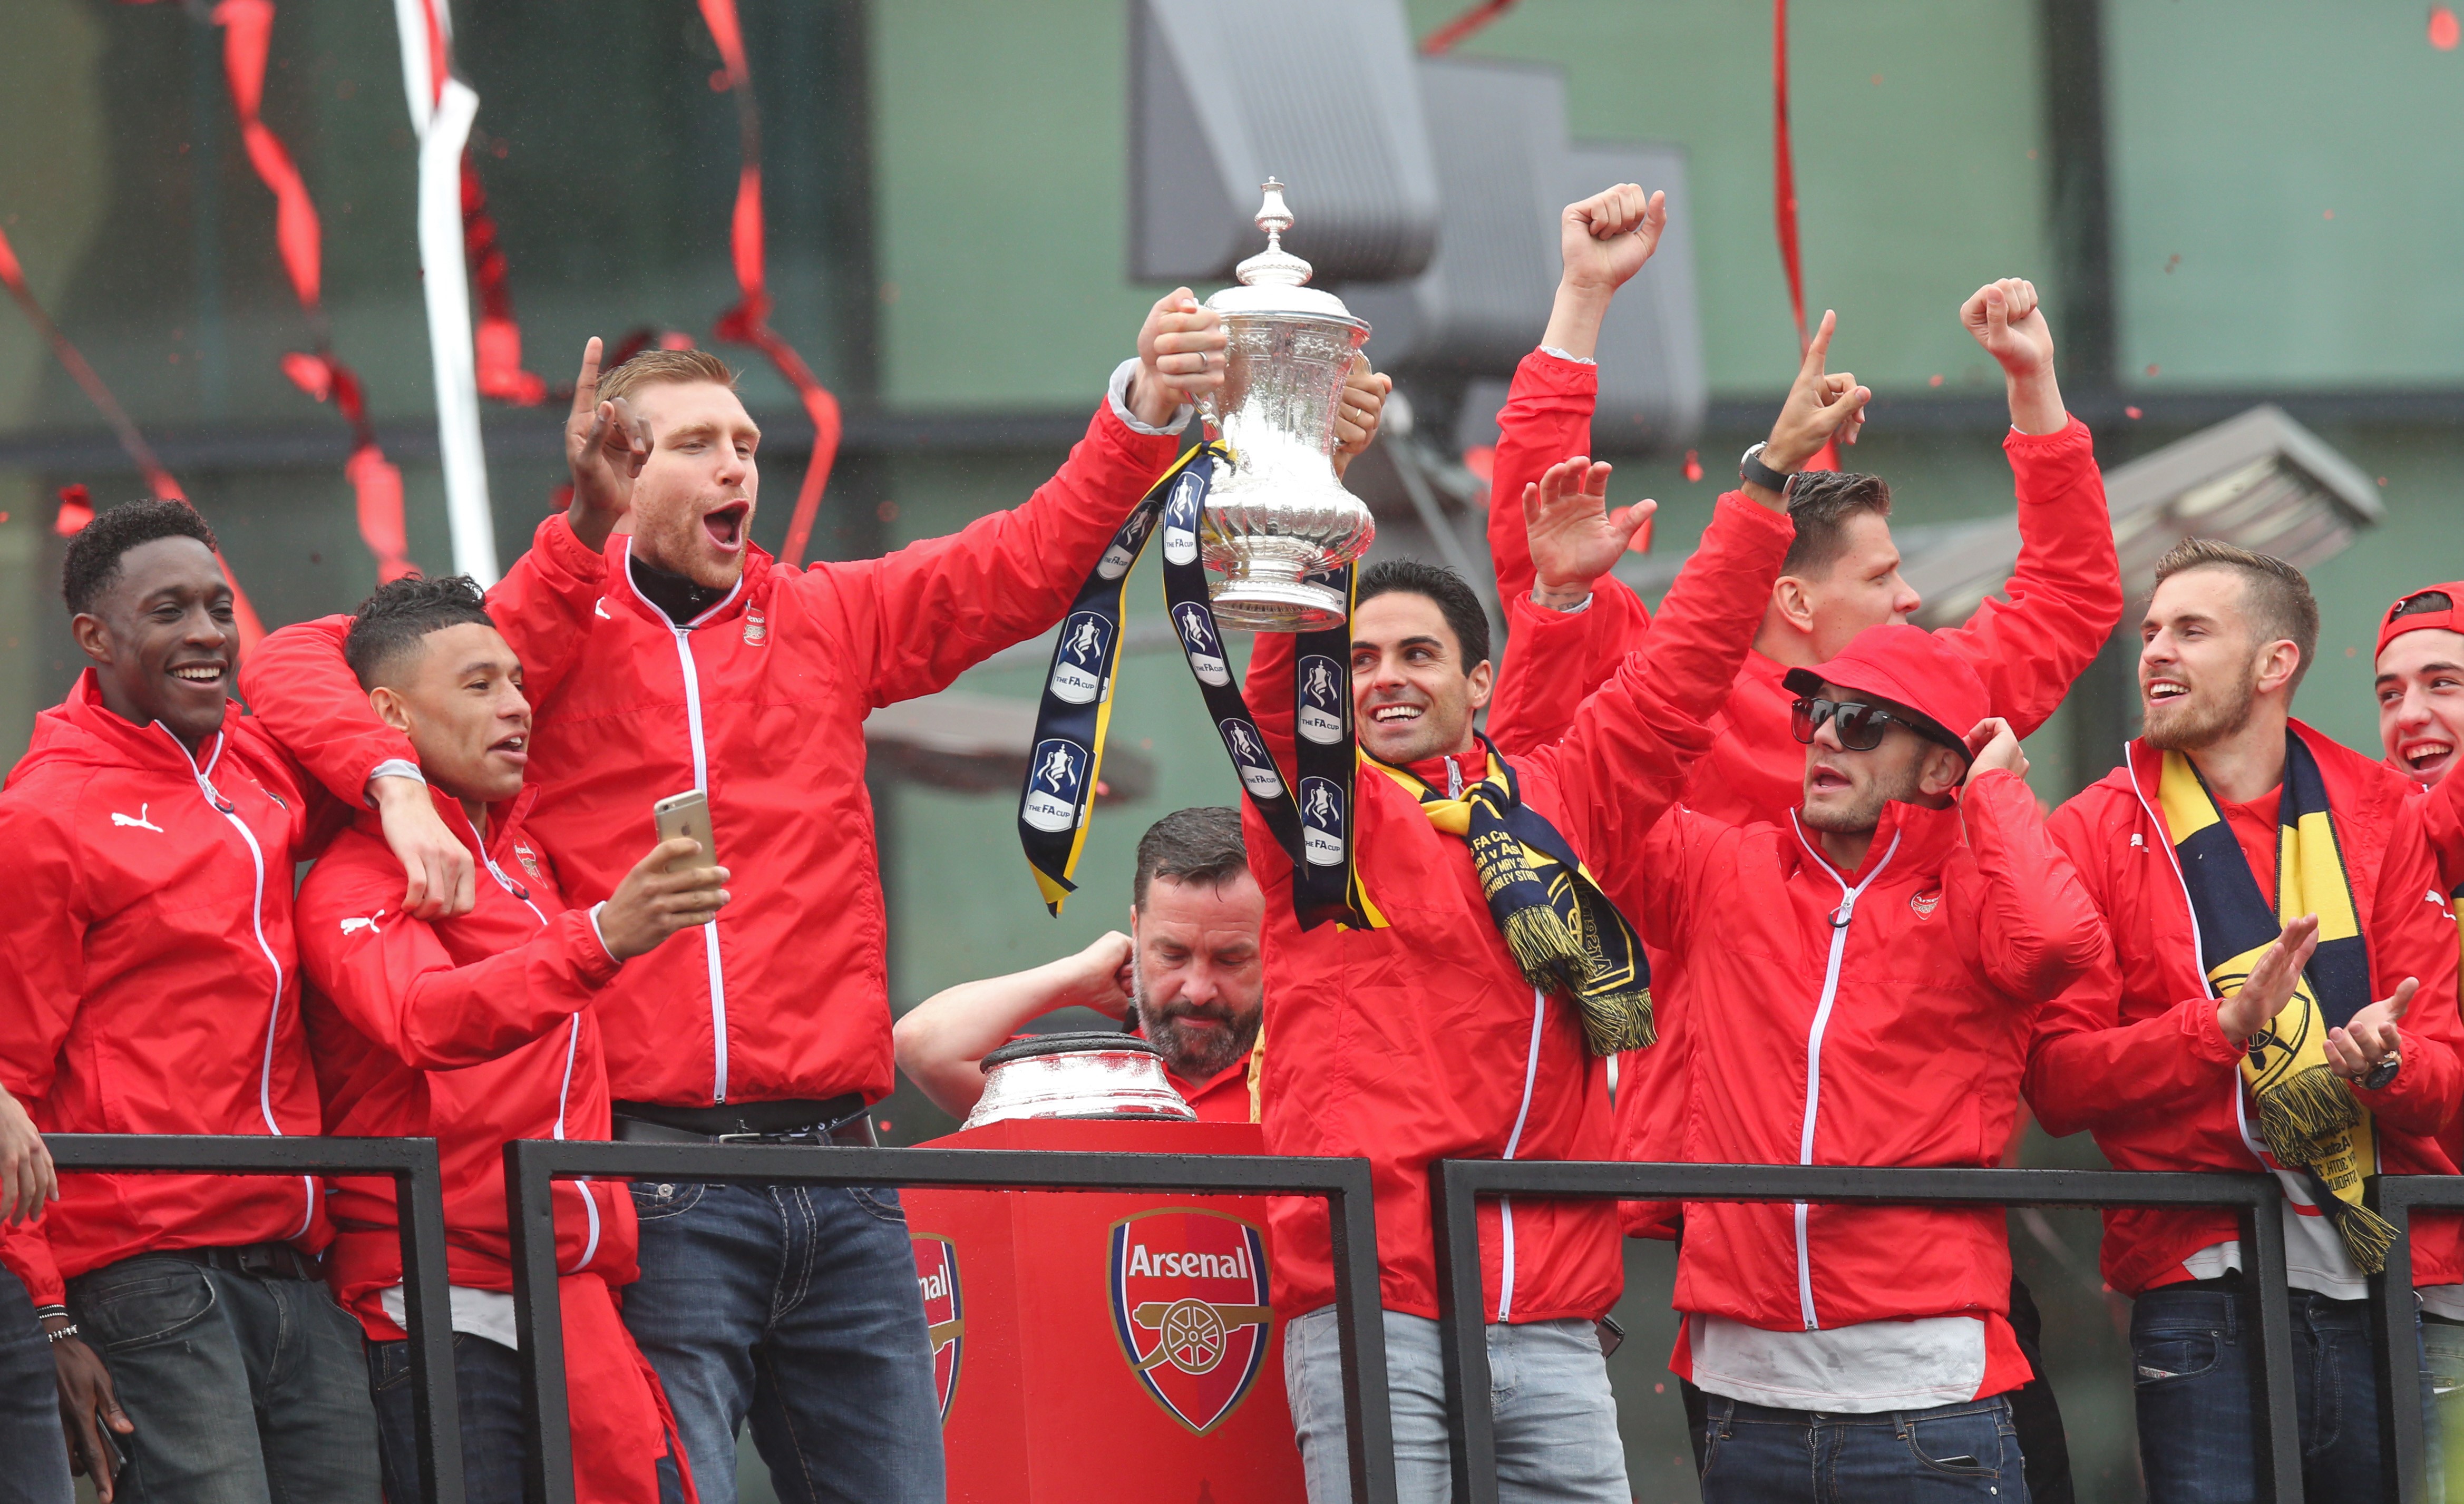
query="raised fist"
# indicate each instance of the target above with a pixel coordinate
(2006, 319)
(1606, 239)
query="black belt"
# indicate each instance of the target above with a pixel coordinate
(845, 1120)
(256, 1260)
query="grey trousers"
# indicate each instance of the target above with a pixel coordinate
(1549, 1393)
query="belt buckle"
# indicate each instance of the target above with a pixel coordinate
(737, 1138)
(257, 1262)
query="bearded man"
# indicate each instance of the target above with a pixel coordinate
(2283, 995)
(1190, 977)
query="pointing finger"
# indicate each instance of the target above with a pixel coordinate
(585, 386)
(1819, 348)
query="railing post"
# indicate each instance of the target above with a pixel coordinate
(419, 1212)
(2279, 1416)
(1463, 1331)
(1359, 1309)
(2396, 1313)
(539, 1319)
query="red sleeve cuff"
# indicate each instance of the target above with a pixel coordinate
(2072, 435)
(2207, 1038)
(557, 537)
(1557, 376)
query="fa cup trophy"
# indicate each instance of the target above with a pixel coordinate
(1280, 515)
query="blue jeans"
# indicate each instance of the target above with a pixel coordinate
(797, 1306)
(36, 1465)
(1753, 1455)
(243, 1389)
(488, 1387)
(1549, 1396)
(2196, 1352)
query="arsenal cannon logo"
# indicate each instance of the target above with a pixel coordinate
(1189, 1303)
(945, 1313)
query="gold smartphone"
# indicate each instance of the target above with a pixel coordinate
(684, 814)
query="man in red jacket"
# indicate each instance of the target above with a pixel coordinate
(478, 1030)
(2282, 996)
(148, 985)
(680, 656)
(1189, 977)
(2420, 689)
(1433, 1036)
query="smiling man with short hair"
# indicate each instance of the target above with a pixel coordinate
(148, 984)
(2284, 999)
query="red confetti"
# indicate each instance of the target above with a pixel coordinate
(1693, 465)
(76, 509)
(2151, 370)
(718, 81)
(2331, 213)
(2444, 30)
(1935, 380)
(1481, 459)
(2131, 413)
(4, 517)
(675, 339)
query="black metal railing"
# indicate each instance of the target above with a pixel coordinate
(2397, 1327)
(532, 1167)
(1457, 1185)
(419, 1196)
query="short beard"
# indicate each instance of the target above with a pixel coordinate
(1194, 1055)
(2189, 730)
(1867, 812)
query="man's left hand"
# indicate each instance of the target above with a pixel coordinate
(1993, 744)
(2362, 1045)
(1181, 356)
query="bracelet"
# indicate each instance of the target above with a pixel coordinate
(44, 1313)
(65, 1331)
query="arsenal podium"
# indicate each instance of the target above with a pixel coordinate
(1097, 1347)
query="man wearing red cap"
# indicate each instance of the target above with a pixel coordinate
(1914, 895)
(2282, 996)
(2420, 688)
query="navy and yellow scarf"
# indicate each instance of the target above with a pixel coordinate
(2309, 1120)
(1565, 933)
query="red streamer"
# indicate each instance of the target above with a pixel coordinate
(499, 335)
(248, 37)
(748, 322)
(158, 480)
(1783, 204)
(1443, 39)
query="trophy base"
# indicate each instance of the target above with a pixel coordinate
(1278, 605)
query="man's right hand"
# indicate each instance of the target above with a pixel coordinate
(1820, 405)
(438, 870)
(1575, 537)
(1105, 982)
(652, 902)
(27, 1177)
(604, 448)
(1604, 240)
(88, 1402)
(2271, 983)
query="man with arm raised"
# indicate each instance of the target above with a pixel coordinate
(679, 655)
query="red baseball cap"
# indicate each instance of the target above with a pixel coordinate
(1906, 664)
(2450, 618)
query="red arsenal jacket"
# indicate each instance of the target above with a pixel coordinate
(2063, 599)
(474, 1031)
(1422, 1040)
(2133, 1052)
(1878, 1016)
(147, 981)
(761, 702)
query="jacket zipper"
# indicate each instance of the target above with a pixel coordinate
(1514, 1142)
(572, 1046)
(1840, 921)
(256, 921)
(701, 784)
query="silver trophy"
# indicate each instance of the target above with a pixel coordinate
(1280, 514)
(1077, 1075)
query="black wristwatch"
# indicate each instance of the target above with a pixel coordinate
(2382, 1076)
(1753, 470)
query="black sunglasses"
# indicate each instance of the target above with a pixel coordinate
(1859, 726)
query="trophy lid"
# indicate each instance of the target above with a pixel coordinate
(1271, 281)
